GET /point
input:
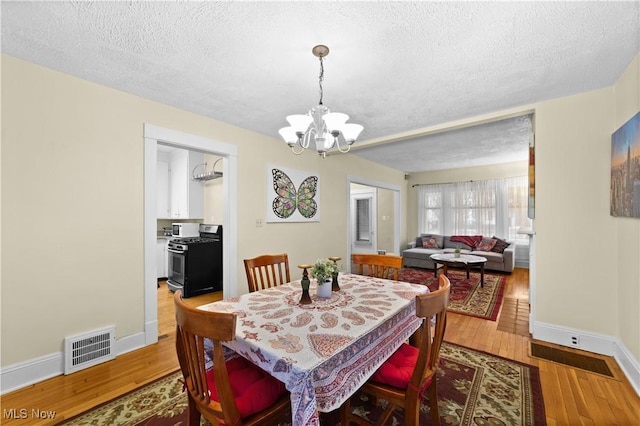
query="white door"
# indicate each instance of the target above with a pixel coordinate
(363, 221)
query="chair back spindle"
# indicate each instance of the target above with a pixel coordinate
(267, 271)
(377, 265)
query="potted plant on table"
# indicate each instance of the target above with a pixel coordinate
(456, 252)
(323, 271)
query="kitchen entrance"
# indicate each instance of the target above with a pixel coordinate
(155, 136)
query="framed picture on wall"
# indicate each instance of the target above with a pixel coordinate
(292, 195)
(625, 169)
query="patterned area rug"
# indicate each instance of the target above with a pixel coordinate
(467, 297)
(474, 388)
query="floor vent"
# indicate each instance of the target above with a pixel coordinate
(583, 362)
(88, 349)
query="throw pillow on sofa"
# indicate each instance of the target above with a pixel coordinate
(432, 241)
(470, 240)
(500, 245)
(486, 244)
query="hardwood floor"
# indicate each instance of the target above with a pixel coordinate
(571, 396)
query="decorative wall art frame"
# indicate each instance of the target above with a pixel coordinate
(625, 169)
(292, 195)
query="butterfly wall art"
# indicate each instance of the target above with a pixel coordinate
(293, 196)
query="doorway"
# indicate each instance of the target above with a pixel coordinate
(154, 135)
(373, 217)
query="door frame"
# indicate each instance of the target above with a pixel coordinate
(154, 135)
(396, 211)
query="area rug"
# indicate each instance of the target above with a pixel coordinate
(467, 297)
(474, 388)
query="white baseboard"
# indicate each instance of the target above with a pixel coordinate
(16, 376)
(20, 375)
(599, 344)
(629, 366)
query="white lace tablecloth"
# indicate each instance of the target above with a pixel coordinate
(324, 351)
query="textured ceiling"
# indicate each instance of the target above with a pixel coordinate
(394, 67)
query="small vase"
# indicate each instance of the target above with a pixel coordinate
(324, 290)
(456, 255)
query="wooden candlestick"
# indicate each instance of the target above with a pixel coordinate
(334, 281)
(305, 283)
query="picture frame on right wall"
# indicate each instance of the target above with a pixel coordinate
(625, 169)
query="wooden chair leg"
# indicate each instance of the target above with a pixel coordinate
(345, 413)
(433, 403)
(194, 414)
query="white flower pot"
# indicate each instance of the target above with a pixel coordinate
(324, 290)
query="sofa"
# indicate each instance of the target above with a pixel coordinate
(500, 253)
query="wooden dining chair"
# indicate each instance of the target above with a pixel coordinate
(405, 376)
(232, 392)
(268, 270)
(377, 265)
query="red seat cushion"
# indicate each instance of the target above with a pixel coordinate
(397, 370)
(253, 388)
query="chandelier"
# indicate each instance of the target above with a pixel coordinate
(327, 129)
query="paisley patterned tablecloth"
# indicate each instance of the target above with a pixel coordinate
(324, 351)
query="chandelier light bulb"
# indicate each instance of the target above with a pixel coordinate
(289, 135)
(351, 131)
(300, 123)
(335, 121)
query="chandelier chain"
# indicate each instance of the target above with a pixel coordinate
(320, 79)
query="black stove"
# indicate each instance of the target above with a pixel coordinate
(195, 263)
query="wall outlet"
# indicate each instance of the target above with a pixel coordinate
(258, 222)
(574, 341)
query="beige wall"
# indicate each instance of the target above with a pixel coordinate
(213, 197)
(72, 205)
(627, 232)
(573, 150)
(384, 211)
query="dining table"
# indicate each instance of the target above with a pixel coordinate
(326, 350)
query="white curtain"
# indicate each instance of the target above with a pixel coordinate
(491, 207)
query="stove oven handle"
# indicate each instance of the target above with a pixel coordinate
(175, 251)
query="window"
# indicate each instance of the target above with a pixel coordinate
(494, 207)
(363, 220)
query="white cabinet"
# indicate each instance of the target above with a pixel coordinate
(186, 195)
(162, 255)
(162, 181)
(178, 196)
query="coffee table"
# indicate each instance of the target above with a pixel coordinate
(465, 261)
